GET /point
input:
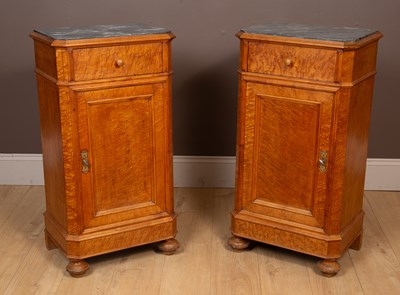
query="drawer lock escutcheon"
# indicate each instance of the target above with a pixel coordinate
(323, 161)
(85, 161)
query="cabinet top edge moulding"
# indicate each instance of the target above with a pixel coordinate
(324, 36)
(101, 34)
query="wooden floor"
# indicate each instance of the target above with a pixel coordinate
(204, 264)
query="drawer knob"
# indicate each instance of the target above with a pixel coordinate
(289, 62)
(119, 63)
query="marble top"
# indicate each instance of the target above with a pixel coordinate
(101, 31)
(340, 34)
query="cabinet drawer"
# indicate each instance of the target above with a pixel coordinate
(117, 61)
(292, 61)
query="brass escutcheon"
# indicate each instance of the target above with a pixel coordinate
(85, 161)
(323, 161)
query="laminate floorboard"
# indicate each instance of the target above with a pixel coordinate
(204, 264)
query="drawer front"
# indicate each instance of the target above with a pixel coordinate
(292, 61)
(117, 61)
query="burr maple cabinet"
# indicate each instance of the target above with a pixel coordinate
(304, 106)
(105, 113)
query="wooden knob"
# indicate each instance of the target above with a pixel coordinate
(119, 63)
(289, 62)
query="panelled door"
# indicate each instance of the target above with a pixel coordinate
(287, 141)
(122, 153)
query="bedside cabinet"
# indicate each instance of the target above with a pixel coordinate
(105, 114)
(304, 109)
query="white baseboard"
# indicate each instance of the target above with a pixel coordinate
(383, 175)
(192, 171)
(196, 171)
(21, 169)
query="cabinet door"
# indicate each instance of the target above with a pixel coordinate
(123, 148)
(287, 134)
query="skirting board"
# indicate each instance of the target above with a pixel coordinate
(192, 171)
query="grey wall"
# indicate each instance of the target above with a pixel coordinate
(205, 56)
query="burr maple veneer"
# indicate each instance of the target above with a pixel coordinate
(105, 107)
(304, 107)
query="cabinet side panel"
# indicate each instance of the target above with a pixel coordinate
(244, 55)
(45, 58)
(166, 57)
(356, 149)
(52, 150)
(169, 187)
(358, 64)
(240, 142)
(365, 61)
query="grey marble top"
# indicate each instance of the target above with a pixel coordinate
(340, 34)
(101, 31)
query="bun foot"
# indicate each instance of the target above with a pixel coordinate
(168, 247)
(329, 267)
(238, 244)
(77, 267)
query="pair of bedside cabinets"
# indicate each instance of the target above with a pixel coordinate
(105, 112)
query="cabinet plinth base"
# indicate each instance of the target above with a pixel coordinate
(357, 244)
(77, 267)
(328, 247)
(329, 267)
(79, 247)
(50, 245)
(238, 244)
(168, 247)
